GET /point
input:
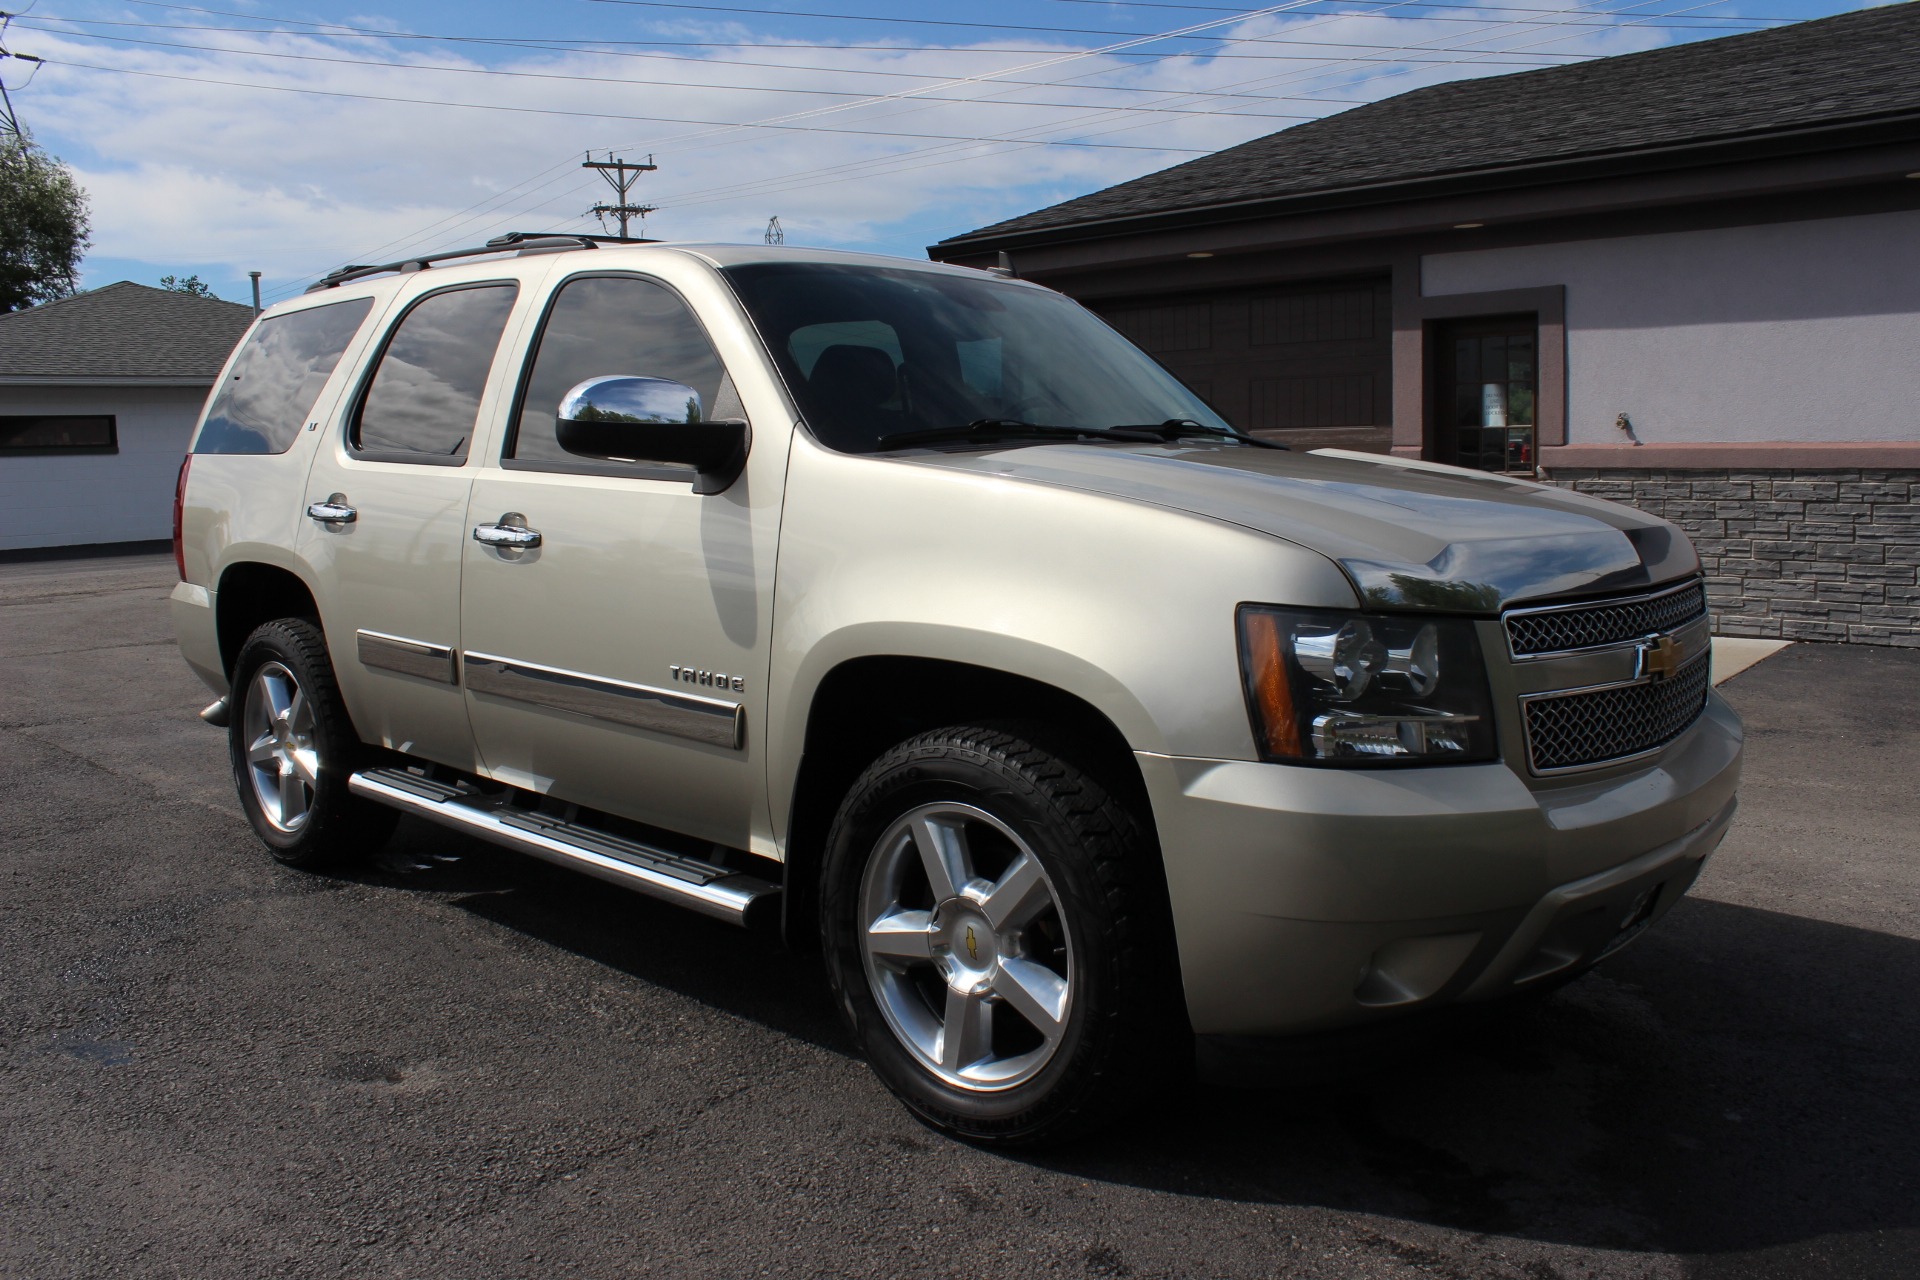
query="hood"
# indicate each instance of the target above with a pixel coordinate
(1411, 535)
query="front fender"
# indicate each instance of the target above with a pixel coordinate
(1126, 606)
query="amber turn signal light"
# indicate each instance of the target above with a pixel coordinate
(1267, 678)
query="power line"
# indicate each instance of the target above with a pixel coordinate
(868, 167)
(848, 171)
(9, 118)
(535, 75)
(718, 87)
(586, 115)
(761, 189)
(1310, 75)
(1051, 61)
(1096, 114)
(677, 5)
(893, 162)
(594, 50)
(549, 44)
(1412, 4)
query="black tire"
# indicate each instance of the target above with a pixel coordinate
(1124, 1034)
(334, 827)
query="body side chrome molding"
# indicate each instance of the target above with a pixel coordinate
(734, 897)
(704, 720)
(408, 657)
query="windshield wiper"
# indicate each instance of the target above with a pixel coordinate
(1175, 428)
(1010, 428)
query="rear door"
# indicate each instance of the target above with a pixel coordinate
(386, 515)
(621, 664)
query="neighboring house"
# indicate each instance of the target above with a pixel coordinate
(98, 395)
(1687, 278)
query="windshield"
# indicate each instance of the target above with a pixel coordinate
(873, 353)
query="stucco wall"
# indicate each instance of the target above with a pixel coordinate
(1792, 331)
(74, 499)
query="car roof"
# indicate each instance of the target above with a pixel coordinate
(464, 265)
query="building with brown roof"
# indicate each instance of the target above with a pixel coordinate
(1687, 278)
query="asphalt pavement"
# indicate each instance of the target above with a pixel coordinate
(460, 1063)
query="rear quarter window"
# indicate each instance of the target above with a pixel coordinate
(265, 400)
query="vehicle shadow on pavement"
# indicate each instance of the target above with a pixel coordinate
(747, 975)
(1739, 1080)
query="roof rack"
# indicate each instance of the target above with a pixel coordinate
(515, 242)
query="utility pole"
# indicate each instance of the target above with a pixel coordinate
(774, 234)
(620, 176)
(9, 122)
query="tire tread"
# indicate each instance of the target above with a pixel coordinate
(341, 827)
(1142, 1007)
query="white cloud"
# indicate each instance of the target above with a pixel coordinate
(183, 172)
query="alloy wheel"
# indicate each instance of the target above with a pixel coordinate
(965, 946)
(283, 762)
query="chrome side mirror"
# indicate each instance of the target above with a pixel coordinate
(651, 420)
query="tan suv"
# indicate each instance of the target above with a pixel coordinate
(911, 610)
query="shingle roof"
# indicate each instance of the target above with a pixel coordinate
(1855, 66)
(122, 330)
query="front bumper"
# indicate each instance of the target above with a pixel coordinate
(1310, 898)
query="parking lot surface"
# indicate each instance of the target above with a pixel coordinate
(461, 1063)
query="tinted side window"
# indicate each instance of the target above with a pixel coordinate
(425, 396)
(262, 405)
(609, 326)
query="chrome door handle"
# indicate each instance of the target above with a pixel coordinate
(333, 511)
(510, 537)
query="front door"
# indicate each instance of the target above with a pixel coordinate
(1489, 377)
(620, 663)
(387, 505)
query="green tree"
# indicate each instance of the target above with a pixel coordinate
(192, 284)
(43, 226)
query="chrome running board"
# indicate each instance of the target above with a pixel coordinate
(705, 887)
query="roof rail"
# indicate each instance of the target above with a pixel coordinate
(515, 242)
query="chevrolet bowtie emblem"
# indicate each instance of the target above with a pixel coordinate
(973, 951)
(1661, 657)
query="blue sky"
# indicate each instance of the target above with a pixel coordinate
(350, 133)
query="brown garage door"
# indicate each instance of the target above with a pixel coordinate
(1312, 361)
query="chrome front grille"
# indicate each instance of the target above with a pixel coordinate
(1560, 628)
(1575, 730)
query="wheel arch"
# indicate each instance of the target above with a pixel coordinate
(847, 729)
(251, 592)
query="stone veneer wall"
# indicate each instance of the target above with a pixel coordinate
(1798, 555)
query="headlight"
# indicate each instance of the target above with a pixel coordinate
(1326, 687)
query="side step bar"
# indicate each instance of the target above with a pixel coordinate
(712, 890)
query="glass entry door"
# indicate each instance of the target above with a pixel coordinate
(1489, 377)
